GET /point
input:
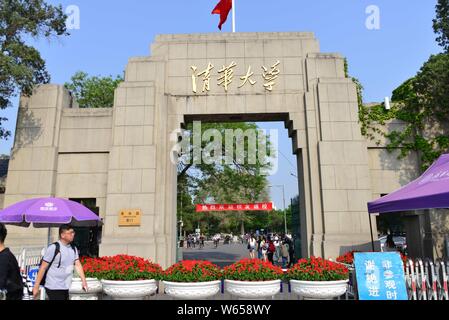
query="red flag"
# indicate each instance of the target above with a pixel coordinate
(223, 8)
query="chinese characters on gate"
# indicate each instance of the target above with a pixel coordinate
(380, 276)
(201, 78)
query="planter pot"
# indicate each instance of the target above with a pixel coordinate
(77, 293)
(192, 290)
(253, 289)
(129, 290)
(319, 290)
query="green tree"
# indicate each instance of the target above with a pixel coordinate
(93, 92)
(21, 66)
(441, 24)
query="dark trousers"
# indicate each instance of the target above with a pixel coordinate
(57, 294)
(270, 257)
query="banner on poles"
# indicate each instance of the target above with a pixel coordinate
(265, 206)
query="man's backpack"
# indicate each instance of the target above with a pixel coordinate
(57, 251)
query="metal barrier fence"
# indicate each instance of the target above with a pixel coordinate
(28, 258)
(427, 280)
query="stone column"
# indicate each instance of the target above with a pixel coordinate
(33, 164)
(341, 172)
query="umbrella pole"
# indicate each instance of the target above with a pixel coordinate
(371, 230)
(49, 236)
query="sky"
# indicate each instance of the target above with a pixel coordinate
(110, 32)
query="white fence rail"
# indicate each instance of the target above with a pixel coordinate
(427, 280)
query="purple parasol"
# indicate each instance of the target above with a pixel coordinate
(49, 212)
(430, 191)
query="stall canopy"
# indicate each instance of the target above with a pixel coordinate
(430, 191)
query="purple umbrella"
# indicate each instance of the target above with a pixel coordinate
(49, 212)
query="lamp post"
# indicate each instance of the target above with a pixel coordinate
(283, 199)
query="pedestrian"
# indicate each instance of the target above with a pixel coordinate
(389, 244)
(11, 283)
(189, 241)
(291, 251)
(271, 250)
(259, 247)
(202, 241)
(284, 253)
(264, 246)
(277, 252)
(252, 246)
(57, 267)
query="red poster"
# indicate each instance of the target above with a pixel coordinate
(265, 206)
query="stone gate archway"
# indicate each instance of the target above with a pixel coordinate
(311, 91)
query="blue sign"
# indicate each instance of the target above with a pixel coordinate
(380, 276)
(32, 274)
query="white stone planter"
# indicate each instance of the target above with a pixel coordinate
(129, 290)
(253, 290)
(192, 290)
(77, 293)
(319, 290)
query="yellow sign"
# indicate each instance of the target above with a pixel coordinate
(130, 218)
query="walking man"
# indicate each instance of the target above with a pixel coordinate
(11, 284)
(57, 266)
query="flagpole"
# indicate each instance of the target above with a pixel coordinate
(233, 15)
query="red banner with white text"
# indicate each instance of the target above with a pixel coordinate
(264, 206)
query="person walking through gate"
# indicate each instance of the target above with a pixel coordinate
(271, 250)
(252, 246)
(277, 251)
(284, 253)
(264, 248)
(57, 267)
(11, 284)
(291, 250)
(202, 241)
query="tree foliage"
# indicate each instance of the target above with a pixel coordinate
(441, 24)
(236, 182)
(21, 66)
(93, 92)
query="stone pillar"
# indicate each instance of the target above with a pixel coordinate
(33, 164)
(341, 170)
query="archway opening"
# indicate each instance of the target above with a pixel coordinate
(203, 183)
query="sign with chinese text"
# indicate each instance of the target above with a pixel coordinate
(32, 275)
(266, 206)
(201, 78)
(380, 276)
(130, 218)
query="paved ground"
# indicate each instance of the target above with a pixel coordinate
(222, 256)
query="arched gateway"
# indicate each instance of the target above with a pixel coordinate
(121, 156)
